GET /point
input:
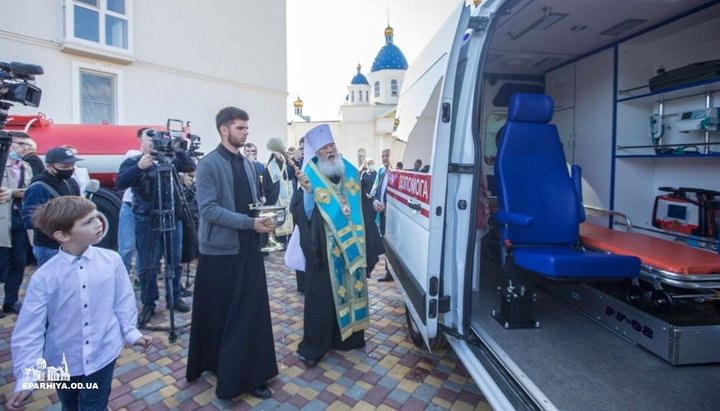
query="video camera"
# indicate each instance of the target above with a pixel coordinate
(194, 146)
(174, 140)
(15, 86)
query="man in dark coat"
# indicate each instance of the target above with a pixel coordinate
(231, 332)
(144, 176)
(36, 163)
(379, 194)
(368, 177)
(296, 201)
(339, 241)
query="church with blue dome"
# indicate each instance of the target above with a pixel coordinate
(359, 78)
(367, 114)
(382, 84)
(390, 57)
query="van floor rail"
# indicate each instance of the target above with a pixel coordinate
(489, 371)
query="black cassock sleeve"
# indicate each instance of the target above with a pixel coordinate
(271, 190)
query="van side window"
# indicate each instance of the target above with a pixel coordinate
(493, 122)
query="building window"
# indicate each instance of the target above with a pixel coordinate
(393, 88)
(97, 97)
(360, 96)
(105, 22)
(377, 89)
(352, 96)
(367, 98)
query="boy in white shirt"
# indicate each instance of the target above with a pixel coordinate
(78, 310)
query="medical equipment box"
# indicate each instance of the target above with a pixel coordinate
(705, 70)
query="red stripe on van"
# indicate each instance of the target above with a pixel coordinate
(415, 185)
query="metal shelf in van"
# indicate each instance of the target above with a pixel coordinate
(682, 91)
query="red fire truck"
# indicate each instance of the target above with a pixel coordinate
(102, 148)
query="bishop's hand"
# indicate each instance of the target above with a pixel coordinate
(304, 181)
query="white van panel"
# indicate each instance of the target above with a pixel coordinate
(407, 229)
(423, 75)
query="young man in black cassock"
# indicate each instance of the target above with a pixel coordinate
(339, 241)
(231, 332)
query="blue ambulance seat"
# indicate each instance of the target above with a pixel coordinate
(539, 206)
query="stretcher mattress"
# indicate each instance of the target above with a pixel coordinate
(654, 252)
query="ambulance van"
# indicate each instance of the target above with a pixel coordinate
(634, 87)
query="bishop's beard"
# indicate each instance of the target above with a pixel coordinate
(332, 168)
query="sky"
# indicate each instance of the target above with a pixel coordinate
(328, 38)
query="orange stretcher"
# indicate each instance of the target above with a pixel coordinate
(664, 263)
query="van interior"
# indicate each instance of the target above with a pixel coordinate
(602, 63)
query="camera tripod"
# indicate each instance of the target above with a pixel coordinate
(163, 229)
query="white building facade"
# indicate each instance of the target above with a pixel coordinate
(367, 115)
(142, 62)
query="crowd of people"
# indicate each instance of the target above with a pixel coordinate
(27, 183)
(334, 227)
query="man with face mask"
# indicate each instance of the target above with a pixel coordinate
(13, 235)
(56, 180)
(367, 177)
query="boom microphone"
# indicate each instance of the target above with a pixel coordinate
(23, 69)
(91, 188)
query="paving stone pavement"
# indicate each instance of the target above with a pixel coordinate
(389, 373)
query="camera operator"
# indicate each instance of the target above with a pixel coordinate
(139, 173)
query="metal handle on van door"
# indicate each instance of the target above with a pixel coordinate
(414, 205)
(445, 112)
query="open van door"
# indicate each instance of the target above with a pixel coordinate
(418, 226)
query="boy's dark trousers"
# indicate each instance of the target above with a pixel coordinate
(88, 399)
